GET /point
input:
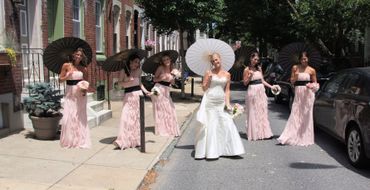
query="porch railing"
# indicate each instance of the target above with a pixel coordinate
(35, 71)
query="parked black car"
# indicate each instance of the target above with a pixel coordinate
(271, 73)
(342, 108)
(287, 89)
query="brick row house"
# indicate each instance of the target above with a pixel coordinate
(109, 26)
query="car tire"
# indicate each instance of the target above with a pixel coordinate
(355, 147)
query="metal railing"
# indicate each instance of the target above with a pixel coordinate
(34, 70)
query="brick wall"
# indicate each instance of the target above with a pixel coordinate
(68, 15)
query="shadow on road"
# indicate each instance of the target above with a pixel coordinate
(150, 129)
(281, 110)
(108, 140)
(188, 99)
(337, 150)
(301, 165)
(185, 147)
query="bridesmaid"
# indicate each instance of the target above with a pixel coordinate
(299, 127)
(129, 126)
(164, 109)
(257, 123)
(75, 132)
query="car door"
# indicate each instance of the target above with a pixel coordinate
(324, 108)
(345, 102)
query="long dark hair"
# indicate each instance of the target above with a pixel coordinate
(254, 54)
(301, 54)
(127, 68)
(168, 55)
(84, 58)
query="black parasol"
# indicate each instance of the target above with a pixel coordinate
(60, 51)
(289, 55)
(119, 60)
(151, 64)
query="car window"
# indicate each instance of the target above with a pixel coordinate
(335, 84)
(365, 91)
(353, 84)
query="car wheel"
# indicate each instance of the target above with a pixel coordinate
(355, 148)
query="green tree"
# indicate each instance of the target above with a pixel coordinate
(333, 24)
(258, 23)
(167, 16)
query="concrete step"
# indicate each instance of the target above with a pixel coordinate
(91, 121)
(96, 105)
(100, 116)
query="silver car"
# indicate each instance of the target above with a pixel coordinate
(342, 108)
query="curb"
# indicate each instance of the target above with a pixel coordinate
(164, 154)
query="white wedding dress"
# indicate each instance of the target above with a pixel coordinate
(217, 135)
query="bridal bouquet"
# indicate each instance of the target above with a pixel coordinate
(313, 86)
(155, 90)
(83, 85)
(176, 73)
(236, 110)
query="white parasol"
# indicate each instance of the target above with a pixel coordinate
(198, 55)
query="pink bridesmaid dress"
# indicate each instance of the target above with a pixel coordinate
(299, 127)
(129, 126)
(164, 111)
(75, 132)
(257, 123)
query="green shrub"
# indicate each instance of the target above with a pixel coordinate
(43, 101)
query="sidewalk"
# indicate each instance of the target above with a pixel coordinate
(27, 163)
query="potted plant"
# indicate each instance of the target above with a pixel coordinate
(149, 45)
(43, 106)
(9, 49)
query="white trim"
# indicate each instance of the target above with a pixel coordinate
(23, 23)
(2, 22)
(100, 27)
(79, 18)
(117, 26)
(117, 3)
(128, 9)
(138, 9)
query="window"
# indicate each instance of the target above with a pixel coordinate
(76, 18)
(352, 85)
(23, 23)
(334, 84)
(98, 26)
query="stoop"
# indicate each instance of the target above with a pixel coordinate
(96, 114)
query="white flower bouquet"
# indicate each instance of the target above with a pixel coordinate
(155, 90)
(275, 90)
(235, 110)
(83, 85)
(313, 86)
(176, 73)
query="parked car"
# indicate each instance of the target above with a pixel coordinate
(287, 89)
(342, 108)
(271, 73)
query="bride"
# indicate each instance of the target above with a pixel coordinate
(218, 135)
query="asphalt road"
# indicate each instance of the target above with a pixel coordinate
(266, 165)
